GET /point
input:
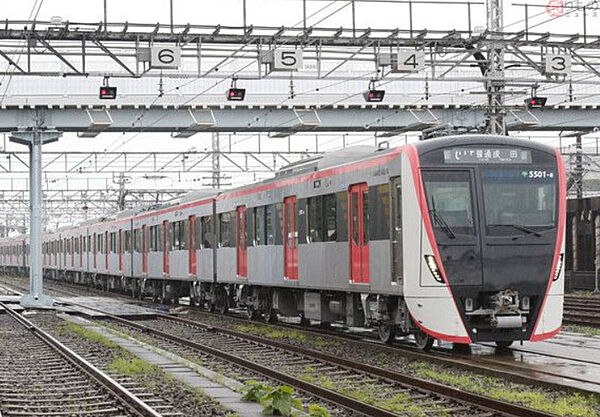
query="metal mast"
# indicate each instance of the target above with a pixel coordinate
(216, 161)
(494, 83)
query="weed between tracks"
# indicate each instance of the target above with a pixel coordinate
(574, 405)
(559, 403)
(373, 395)
(589, 331)
(191, 401)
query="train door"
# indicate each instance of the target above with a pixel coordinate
(396, 201)
(95, 248)
(120, 249)
(290, 238)
(358, 232)
(192, 246)
(144, 250)
(166, 245)
(106, 250)
(72, 250)
(242, 254)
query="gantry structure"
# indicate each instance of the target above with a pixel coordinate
(172, 77)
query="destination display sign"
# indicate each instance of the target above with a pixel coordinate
(470, 155)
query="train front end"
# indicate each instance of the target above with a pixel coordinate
(492, 226)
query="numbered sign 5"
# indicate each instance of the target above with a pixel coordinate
(165, 57)
(558, 64)
(287, 59)
(410, 60)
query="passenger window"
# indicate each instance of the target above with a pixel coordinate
(355, 215)
(198, 233)
(259, 225)
(226, 230)
(342, 216)
(279, 224)
(315, 219)
(207, 232)
(270, 224)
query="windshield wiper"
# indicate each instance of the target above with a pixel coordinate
(440, 220)
(518, 227)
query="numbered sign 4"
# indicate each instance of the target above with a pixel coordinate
(287, 59)
(558, 64)
(410, 60)
(165, 57)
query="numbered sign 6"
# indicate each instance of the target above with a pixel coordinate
(558, 64)
(165, 57)
(287, 59)
(410, 60)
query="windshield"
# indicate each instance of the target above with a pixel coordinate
(522, 197)
(449, 201)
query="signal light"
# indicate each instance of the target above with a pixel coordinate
(535, 102)
(108, 93)
(236, 94)
(374, 96)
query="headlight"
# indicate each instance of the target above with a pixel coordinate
(525, 303)
(433, 268)
(559, 264)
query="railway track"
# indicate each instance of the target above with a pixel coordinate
(517, 372)
(51, 379)
(329, 377)
(582, 311)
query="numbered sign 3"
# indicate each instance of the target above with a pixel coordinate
(410, 60)
(558, 64)
(287, 59)
(165, 57)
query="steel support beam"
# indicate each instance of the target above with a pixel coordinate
(375, 118)
(34, 138)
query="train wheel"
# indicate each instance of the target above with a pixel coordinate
(303, 320)
(423, 340)
(251, 312)
(270, 315)
(223, 307)
(134, 293)
(503, 344)
(387, 332)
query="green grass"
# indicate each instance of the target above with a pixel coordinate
(589, 331)
(271, 333)
(573, 405)
(400, 402)
(69, 327)
(133, 366)
(582, 293)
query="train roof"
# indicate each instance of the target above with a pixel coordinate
(465, 140)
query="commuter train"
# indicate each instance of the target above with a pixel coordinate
(458, 238)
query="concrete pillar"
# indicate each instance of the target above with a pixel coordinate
(34, 138)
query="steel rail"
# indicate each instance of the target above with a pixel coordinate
(133, 403)
(434, 356)
(486, 403)
(326, 394)
(484, 368)
(433, 387)
(493, 369)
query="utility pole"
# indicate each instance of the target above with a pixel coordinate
(34, 138)
(494, 77)
(216, 161)
(578, 166)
